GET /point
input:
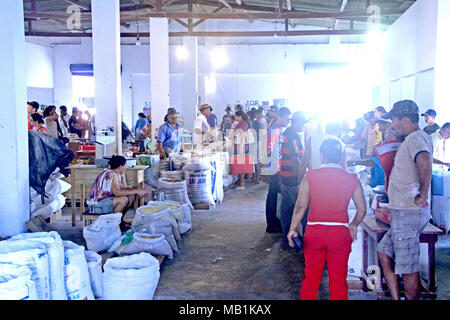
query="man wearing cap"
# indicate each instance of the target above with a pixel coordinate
(430, 119)
(408, 191)
(291, 152)
(271, 116)
(32, 107)
(170, 135)
(227, 120)
(201, 125)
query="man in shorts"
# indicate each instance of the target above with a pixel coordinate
(408, 192)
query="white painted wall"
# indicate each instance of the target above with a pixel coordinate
(39, 66)
(408, 58)
(253, 72)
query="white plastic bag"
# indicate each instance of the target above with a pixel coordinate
(16, 283)
(55, 250)
(175, 190)
(76, 273)
(132, 277)
(132, 243)
(102, 233)
(32, 254)
(54, 204)
(94, 262)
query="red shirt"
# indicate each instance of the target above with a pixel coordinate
(330, 191)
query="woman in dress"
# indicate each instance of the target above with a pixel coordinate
(37, 122)
(241, 161)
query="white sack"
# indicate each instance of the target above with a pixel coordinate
(199, 186)
(32, 254)
(55, 249)
(76, 273)
(132, 277)
(16, 283)
(94, 263)
(132, 243)
(102, 233)
(175, 191)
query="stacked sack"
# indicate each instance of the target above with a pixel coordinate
(199, 178)
(175, 190)
(54, 200)
(41, 266)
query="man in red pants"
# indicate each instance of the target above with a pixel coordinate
(328, 236)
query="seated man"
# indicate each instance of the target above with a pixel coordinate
(110, 193)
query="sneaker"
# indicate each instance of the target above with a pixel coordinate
(240, 187)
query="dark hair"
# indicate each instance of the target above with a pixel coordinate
(331, 149)
(446, 126)
(239, 107)
(141, 114)
(241, 114)
(413, 117)
(369, 115)
(63, 108)
(283, 111)
(48, 110)
(74, 109)
(381, 109)
(37, 117)
(116, 161)
(34, 105)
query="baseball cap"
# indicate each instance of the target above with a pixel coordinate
(273, 108)
(429, 112)
(228, 108)
(402, 108)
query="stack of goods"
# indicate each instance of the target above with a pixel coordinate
(54, 200)
(440, 200)
(178, 160)
(172, 175)
(41, 266)
(164, 165)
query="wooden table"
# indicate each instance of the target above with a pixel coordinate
(85, 175)
(374, 230)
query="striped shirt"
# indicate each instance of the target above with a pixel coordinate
(291, 152)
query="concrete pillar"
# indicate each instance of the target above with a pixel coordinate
(442, 69)
(106, 54)
(159, 71)
(190, 83)
(14, 169)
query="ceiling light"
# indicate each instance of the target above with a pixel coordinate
(182, 53)
(218, 57)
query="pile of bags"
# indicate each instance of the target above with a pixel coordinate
(172, 175)
(40, 266)
(53, 200)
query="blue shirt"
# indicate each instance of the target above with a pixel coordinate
(140, 123)
(169, 137)
(212, 120)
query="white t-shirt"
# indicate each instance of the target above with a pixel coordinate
(200, 123)
(65, 131)
(52, 128)
(441, 148)
(404, 181)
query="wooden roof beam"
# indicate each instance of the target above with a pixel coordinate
(209, 34)
(78, 3)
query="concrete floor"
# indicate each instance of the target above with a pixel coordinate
(228, 255)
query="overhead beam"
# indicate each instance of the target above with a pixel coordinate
(78, 3)
(210, 34)
(182, 23)
(203, 20)
(234, 15)
(336, 21)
